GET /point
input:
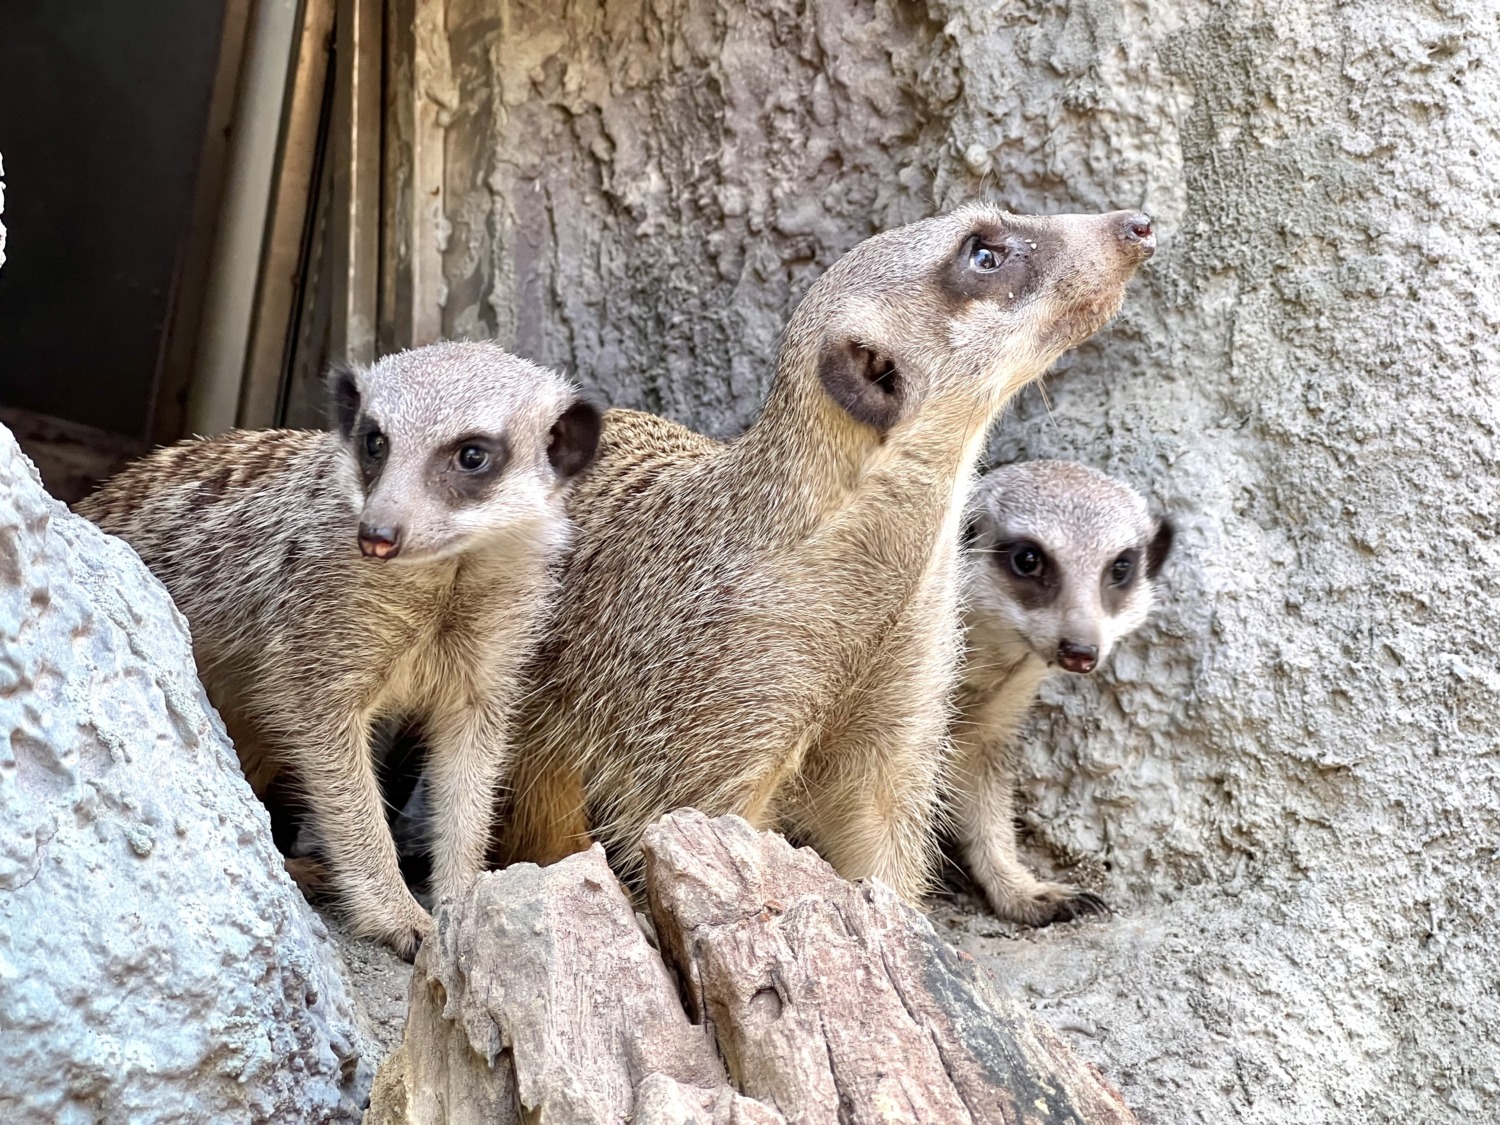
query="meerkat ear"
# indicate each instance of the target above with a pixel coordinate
(868, 385)
(1160, 547)
(343, 398)
(575, 438)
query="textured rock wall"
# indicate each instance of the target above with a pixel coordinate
(640, 191)
(1291, 780)
(156, 964)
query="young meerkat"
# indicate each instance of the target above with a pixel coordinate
(769, 626)
(1060, 564)
(399, 565)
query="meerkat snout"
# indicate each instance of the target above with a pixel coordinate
(1136, 231)
(379, 542)
(1061, 563)
(1081, 659)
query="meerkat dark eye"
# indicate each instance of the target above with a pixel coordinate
(1121, 569)
(375, 445)
(984, 259)
(472, 459)
(1026, 560)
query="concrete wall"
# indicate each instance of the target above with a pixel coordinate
(1290, 785)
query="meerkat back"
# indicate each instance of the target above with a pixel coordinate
(399, 565)
(1060, 564)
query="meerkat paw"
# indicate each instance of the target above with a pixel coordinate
(1046, 903)
(408, 937)
(403, 929)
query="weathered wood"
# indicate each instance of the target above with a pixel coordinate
(660, 1100)
(836, 1002)
(539, 999)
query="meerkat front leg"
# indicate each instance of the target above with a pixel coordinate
(984, 807)
(467, 758)
(348, 814)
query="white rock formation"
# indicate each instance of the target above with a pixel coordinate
(156, 964)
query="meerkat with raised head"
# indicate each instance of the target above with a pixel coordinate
(769, 626)
(1060, 565)
(401, 564)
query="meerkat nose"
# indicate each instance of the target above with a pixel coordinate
(1135, 228)
(1077, 658)
(379, 542)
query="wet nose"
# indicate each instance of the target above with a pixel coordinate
(1135, 230)
(1077, 658)
(379, 542)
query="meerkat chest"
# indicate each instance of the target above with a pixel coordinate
(462, 639)
(996, 689)
(434, 643)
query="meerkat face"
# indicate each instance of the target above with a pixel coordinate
(1062, 561)
(457, 446)
(978, 302)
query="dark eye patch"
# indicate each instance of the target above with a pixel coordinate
(1026, 568)
(1027, 560)
(990, 263)
(471, 466)
(1123, 570)
(371, 448)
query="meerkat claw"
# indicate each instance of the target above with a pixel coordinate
(1078, 906)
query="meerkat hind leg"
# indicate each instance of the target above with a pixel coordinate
(546, 815)
(987, 835)
(870, 812)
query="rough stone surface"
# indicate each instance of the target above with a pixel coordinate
(1289, 785)
(156, 964)
(379, 980)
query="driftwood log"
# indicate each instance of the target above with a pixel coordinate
(808, 999)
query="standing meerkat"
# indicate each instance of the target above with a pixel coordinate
(769, 626)
(399, 565)
(1060, 565)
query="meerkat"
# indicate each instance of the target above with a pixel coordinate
(769, 626)
(1060, 565)
(400, 564)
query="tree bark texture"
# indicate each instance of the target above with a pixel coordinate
(836, 1002)
(541, 1001)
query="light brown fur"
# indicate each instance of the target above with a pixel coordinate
(769, 627)
(303, 644)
